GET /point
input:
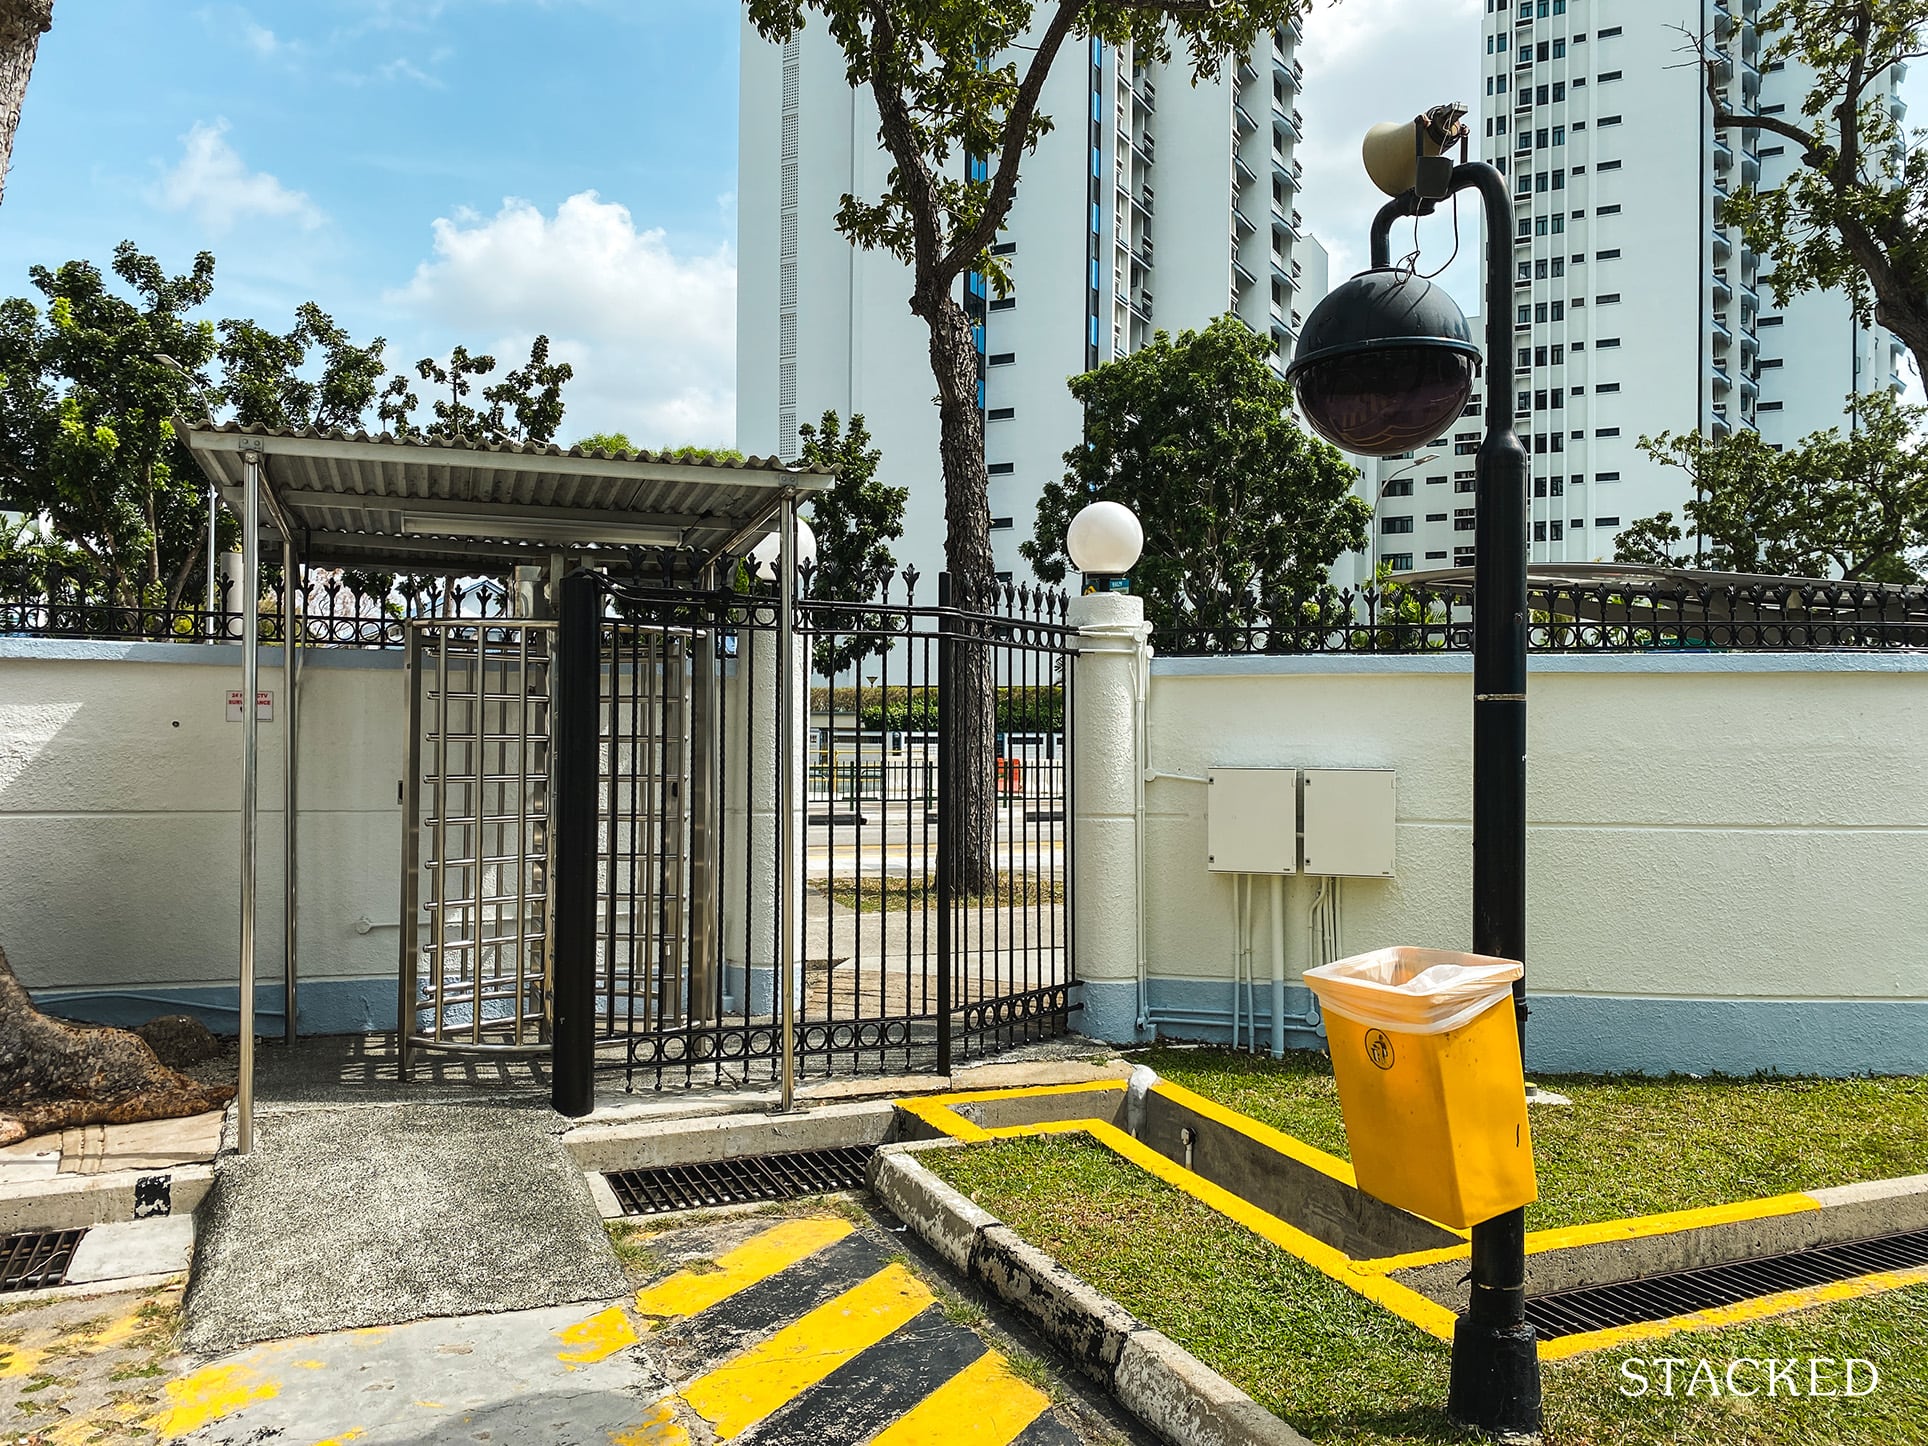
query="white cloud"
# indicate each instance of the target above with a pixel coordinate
(651, 334)
(1377, 60)
(212, 182)
(261, 40)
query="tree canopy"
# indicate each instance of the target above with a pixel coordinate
(95, 367)
(1854, 212)
(1851, 504)
(855, 520)
(1243, 510)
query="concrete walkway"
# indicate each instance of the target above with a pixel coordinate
(362, 1217)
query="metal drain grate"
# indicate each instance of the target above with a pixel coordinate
(1661, 1297)
(741, 1181)
(36, 1259)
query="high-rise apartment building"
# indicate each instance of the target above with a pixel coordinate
(1635, 311)
(1152, 204)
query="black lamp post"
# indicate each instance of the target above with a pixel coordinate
(1385, 363)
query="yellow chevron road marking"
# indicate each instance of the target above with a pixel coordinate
(982, 1405)
(761, 1256)
(742, 1391)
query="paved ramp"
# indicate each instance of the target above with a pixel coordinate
(375, 1216)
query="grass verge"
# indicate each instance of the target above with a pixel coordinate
(1630, 1145)
(896, 894)
(1346, 1373)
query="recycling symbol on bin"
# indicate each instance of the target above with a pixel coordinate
(1379, 1048)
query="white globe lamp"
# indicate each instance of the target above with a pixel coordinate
(1104, 542)
(763, 557)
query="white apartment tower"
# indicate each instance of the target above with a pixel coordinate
(1152, 204)
(1635, 312)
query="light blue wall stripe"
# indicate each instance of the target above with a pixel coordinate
(1585, 1034)
(335, 1005)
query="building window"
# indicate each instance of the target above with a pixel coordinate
(1770, 407)
(1770, 363)
(1392, 525)
(1397, 487)
(1001, 358)
(1004, 303)
(1609, 120)
(1769, 152)
(1606, 75)
(1606, 522)
(1000, 414)
(1004, 248)
(1436, 556)
(1559, 139)
(1435, 516)
(1608, 255)
(1465, 482)
(1462, 557)
(1606, 387)
(1770, 321)
(1606, 476)
(1464, 519)
(1613, 210)
(1559, 91)
(1557, 488)
(1559, 50)
(1440, 478)
(1539, 487)
(1610, 299)
(1606, 431)
(1539, 532)
(1605, 342)
(999, 524)
(1608, 166)
(1400, 561)
(1002, 469)
(1609, 32)
(1559, 353)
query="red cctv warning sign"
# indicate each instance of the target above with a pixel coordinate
(263, 705)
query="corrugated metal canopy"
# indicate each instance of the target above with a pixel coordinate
(355, 500)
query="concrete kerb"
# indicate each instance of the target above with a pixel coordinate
(1171, 1392)
(74, 1202)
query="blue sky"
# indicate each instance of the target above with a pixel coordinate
(361, 153)
(442, 171)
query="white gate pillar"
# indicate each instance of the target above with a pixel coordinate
(1110, 676)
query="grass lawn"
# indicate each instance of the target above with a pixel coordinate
(1342, 1370)
(896, 893)
(1632, 1145)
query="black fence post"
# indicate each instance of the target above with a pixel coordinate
(945, 662)
(572, 843)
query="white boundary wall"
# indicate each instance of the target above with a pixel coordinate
(1725, 853)
(120, 842)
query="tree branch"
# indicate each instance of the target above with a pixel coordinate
(1725, 119)
(898, 130)
(1017, 123)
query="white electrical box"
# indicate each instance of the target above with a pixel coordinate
(1252, 821)
(1349, 822)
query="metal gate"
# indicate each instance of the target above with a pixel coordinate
(931, 883)
(475, 917)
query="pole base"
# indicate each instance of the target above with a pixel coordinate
(1496, 1380)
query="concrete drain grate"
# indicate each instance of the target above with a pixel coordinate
(745, 1180)
(1662, 1297)
(36, 1259)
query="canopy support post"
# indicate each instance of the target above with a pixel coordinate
(250, 740)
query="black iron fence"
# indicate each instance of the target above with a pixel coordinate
(334, 611)
(1662, 616)
(932, 878)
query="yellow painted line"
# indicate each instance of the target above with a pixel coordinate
(1386, 1264)
(206, 1395)
(659, 1428)
(1727, 1315)
(1673, 1221)
(761, 1256)
(944, 1120)
(1288, 1145)
(596, 1339)
(983, 1405)
(18, 1360)
(1015, 1092)
(1403, 1302)
(742, 1391)
(351, 1434)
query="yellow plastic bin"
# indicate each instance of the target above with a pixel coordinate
(1427, 1058)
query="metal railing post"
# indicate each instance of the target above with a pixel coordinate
(577, 683)
(250, 742)
(946, 660)
(788, 883)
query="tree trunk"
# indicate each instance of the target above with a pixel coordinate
(971, 750)
(55, 1075)
(22, 23)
